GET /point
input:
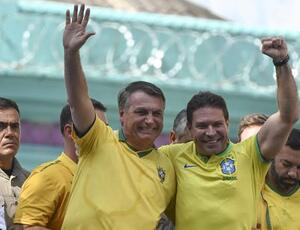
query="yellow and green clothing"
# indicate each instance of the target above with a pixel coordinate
(220, 192)
(45, 194)
(116, 187)
(280, 211)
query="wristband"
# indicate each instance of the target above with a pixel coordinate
(282, 62)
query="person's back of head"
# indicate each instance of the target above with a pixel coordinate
(66, 117)
(293, 140)
(143, 86)
(204, 100)
(66, 126)
(6, 103)
(250, 125)
(180, 132)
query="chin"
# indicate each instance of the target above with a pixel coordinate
(11, 152)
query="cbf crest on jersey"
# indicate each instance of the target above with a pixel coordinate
(227, 166)
(161, 174)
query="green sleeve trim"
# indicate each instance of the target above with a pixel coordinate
(82, 134)
(258, 151)
(290, 193)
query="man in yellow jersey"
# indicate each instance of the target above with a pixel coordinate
(180, 133)
(122, 181)
(281, 194)
(218, 182)
(44, 195)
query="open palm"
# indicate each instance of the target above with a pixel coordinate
(75, 34)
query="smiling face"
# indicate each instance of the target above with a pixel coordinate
(209, 130)
(285, 169)
(9, 136)
(142, 119)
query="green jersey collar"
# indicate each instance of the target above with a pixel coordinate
(142, 153)
(295, 189)
(220, 154)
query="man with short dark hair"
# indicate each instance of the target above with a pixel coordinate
(122, 181)
(279, 206)
(180, 133)
(218, 182)
(281, 193)
(12, 175)
(44, 195)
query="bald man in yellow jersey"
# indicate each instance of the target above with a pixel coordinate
(218, 182)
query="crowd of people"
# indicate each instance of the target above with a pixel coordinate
(118, 179)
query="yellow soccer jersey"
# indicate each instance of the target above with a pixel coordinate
(280, 212)
(45, 194)
(220, 192)
(116, 187)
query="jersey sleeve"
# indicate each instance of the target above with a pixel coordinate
(38, 200)
(260, 166)
(97, 134)
(166, 149)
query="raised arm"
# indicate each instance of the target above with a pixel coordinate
(74, 37)
(274, 133)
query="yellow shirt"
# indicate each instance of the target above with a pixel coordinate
(280, 212)
(220, 192)
(116, 187)
(45, 193)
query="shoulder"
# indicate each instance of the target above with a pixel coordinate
(173, 150)
(48, 171)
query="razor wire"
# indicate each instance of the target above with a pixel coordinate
(136, 49)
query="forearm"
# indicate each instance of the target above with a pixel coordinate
(287, 95)
(76, 85)
(75, 36)
(77, 91)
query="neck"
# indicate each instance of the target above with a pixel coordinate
(6, 164)
(70, 151)
(139, 146)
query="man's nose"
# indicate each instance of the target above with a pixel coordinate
(210, 131)
(149, 118)
(293, 172)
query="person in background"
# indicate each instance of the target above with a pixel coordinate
(180, 133)
(122, 181)
(44, 195)
(250, 125)
(12, 175)
(280, 197)
(218, 182)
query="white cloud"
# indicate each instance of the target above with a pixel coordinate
(273, 14)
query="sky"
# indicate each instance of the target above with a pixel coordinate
(272, 14)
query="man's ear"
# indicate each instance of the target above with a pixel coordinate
(188, 126)
(227, 123)
(172, 137)
(121, 114)
(67, 130)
